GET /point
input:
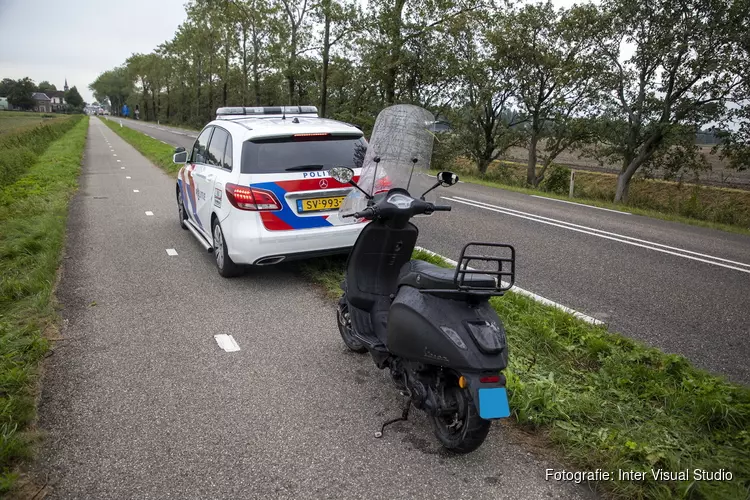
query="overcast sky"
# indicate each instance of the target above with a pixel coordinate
(79, 39)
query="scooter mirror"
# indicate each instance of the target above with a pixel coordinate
(446, 178)
(342, 174)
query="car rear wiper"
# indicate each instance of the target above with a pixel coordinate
(303, 168)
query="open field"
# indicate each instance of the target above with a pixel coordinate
(719, 175)
(608, 402)
(33, 214)
(11, 120)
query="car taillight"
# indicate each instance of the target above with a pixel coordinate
(247, 198)
(490, 380)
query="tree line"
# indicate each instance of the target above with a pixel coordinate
(629, 81)
(19, 93)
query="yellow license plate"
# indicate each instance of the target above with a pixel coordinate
(319, 204)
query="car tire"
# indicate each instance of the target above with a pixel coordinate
(224, 264)
(181, 212)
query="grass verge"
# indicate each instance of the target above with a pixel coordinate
(156, 151)
(718, 208)
(608, 402)
(22, 146)
(33, 214)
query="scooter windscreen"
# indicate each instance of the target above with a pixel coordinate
(402, 142)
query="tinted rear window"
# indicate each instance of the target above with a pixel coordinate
(278, 155)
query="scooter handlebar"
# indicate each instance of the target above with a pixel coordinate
(442, 208)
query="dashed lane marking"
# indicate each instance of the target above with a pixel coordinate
(227, 342)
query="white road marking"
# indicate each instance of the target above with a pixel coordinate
(122, 168)
(127, 177)
(628, 240)
(581, 204)
(165, 142)
(118, 161)
(531, 295)
(149, 213)
(171, 251)
(227, 342)
(114, 155)
(136, 191)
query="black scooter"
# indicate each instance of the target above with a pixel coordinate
(432, 327)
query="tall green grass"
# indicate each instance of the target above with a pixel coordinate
(608, 402)
(33, 214)
(21, 147)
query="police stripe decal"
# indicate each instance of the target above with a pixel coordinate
(286, 214)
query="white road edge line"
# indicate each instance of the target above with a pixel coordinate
(579, 204)
(149, 212)
(171, 251)
(227, 342)
(650, 245)
(531, 295)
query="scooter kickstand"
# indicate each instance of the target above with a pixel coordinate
(404, 416)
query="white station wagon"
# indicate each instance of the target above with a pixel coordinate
(255, 187)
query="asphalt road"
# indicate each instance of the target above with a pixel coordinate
(140, 402)
(678, 287)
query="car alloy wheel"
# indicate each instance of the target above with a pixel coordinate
(218, 246)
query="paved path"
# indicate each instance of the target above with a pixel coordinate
(139, 401)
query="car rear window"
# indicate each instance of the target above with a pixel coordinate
(268, 156)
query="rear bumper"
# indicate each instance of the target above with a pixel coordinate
(248, 242)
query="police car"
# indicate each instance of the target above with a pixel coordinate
(255, 188)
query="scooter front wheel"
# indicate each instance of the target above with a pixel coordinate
(464, 430)
(345, 328)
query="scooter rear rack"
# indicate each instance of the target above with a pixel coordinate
(506, 268)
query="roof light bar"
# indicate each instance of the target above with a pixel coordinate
(266, 110)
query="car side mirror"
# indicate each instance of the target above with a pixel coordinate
(180, 157)
(446, 178)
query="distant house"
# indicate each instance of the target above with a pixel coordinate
(42, 103)
(57, 98)
(4, 106)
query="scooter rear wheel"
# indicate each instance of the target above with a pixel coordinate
(345, 328)
(463, 431)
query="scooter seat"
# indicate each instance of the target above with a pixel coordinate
(425, 276)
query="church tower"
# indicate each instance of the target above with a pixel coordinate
(65, 88)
